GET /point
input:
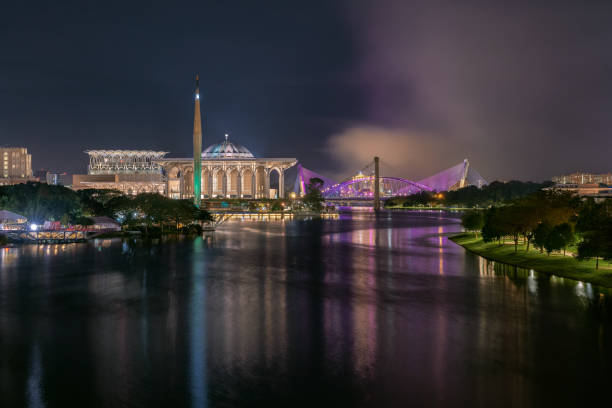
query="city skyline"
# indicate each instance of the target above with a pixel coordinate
(344, 203)
(422, 87)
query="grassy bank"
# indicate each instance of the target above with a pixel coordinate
(557, 264)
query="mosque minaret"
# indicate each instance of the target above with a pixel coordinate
(197, 147)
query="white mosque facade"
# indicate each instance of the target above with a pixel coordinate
(229, 170)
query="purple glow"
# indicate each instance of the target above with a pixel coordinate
(451, 177)
(363, 188)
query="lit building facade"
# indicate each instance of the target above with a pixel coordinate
(223, 170)
(52, 178)
(584, 178)
(129, 171)
(594, 190)
(15, 165)
(229, 170)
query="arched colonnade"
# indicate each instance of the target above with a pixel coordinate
(227, 179)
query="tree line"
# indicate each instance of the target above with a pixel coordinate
(550, 221)
(41, 202)
(468, 197)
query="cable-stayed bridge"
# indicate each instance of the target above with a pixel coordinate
(361, 186)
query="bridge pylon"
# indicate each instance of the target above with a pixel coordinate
(376, 184)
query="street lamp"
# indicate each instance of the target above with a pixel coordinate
(292, 195)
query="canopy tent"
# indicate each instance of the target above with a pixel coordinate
(9, 217)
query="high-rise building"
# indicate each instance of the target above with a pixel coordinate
(15, 165)
(16, 162)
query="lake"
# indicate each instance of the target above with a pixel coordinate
(364, 310)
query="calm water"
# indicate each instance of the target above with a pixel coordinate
(352, 312)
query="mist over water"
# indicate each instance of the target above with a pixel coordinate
(361, 311)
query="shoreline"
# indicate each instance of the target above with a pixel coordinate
(412, 208)
(558, 265)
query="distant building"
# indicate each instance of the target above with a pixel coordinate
(40, 174)
(129, 171)
(598, 191)
(52, 178)
(56, 179)
(15, 165)
(105, 224)
(584, 178)
(598, 186)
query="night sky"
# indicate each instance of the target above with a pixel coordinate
(523, 89)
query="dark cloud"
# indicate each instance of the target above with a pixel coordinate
(522, 89)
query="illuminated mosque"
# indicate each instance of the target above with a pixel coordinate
(229, 170)
(226, 170)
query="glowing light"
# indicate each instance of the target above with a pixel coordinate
(197, 96)
(33, 227)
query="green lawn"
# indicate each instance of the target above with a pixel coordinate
(557, 264)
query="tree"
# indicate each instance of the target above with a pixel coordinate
(490, 230)
(40, 202)
(528, 218)
(154, 208)
(510, 221)
(565, 234)
(203, 215)
(473, 220)
(276, 205)
(594, 223)
(555, 240)
(592, 215)
(540, 235)
(180, 212)
(595, 244)
(313, 198)
(94, 201)
(391, 203)
(122, 208)
(495, 193)
(421, 198)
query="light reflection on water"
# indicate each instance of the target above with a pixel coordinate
(365, 310)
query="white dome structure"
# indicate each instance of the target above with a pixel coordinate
(222, 170)
(227, 150)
